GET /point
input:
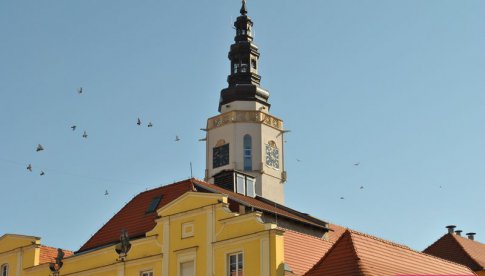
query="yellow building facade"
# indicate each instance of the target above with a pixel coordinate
(195, 234)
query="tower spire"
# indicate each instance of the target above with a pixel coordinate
(243, 10)
(244, 81)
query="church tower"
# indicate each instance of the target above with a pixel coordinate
(244, 143)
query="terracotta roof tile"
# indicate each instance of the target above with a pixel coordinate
(459, 249)
(48, 254)
(361, 254)
(302, 251)
(133, 216)
(134, 219)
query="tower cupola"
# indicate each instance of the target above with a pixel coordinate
(244, 143)
(244, 80)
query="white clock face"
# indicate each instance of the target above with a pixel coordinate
(272, 156)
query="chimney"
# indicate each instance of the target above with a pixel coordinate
(471, 235)
(451, 229)
(458, 232)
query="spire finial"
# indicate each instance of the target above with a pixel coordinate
(243, 10)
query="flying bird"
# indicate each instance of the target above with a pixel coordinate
(361, 187)
(298, 160)
(29, 167)
(356, 164)
(80, 90)
(73, 128)
(106, 192)
(42, 172)
(85, 135)
(138, 122)
(150, 124)
(177, 138)
(39, 147)
(342, 197)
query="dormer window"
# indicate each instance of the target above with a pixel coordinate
(253, 64)
(154, 204)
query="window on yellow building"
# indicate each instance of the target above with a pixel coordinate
(235, 264)
(187, 269)
(146, 273)
(4, 270)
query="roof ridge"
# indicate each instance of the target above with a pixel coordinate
(51, 247)
(455, 238)
(429, 246)
(381, 239)
(163, 186)
(325, 256)
(404, 247)
(362, 268)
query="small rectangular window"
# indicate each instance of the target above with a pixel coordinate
(250, 187)
(146, 273)
(253, 63)
(240, 184)
(235, 264)
(244, 68)
(187, 269)
(154, 204)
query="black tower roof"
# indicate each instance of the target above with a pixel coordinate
(243, 82)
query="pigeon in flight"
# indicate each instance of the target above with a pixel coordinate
(39, 147)
(361, 187)
(29, 167)
(342, 197)
(85, 135)
(80, 90)
(138, 122)
(42, 172)
(298, 160)
(106, 192)
(356, 164)
(150, 124)
(177, 138)
(73, 128)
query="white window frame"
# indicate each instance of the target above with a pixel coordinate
(228, 262)
(188, 229)
(187, 256)
(146, 273)
(251, 182)
(239, 185)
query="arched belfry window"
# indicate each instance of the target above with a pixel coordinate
(248, 160)
(4, 270)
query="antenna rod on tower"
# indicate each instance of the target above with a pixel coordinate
(191, 176)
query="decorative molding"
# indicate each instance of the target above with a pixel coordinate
(238, 116)
(187, 229)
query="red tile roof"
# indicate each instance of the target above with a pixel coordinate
(460, 250)
(133, 216)
(134, 219)
(361, 254)
(48, 254)
(302, 251)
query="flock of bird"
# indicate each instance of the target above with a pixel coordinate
(40, 148)
(139, 123)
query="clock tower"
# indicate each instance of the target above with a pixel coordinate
(244, 143)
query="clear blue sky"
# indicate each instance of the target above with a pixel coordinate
(398, 86)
